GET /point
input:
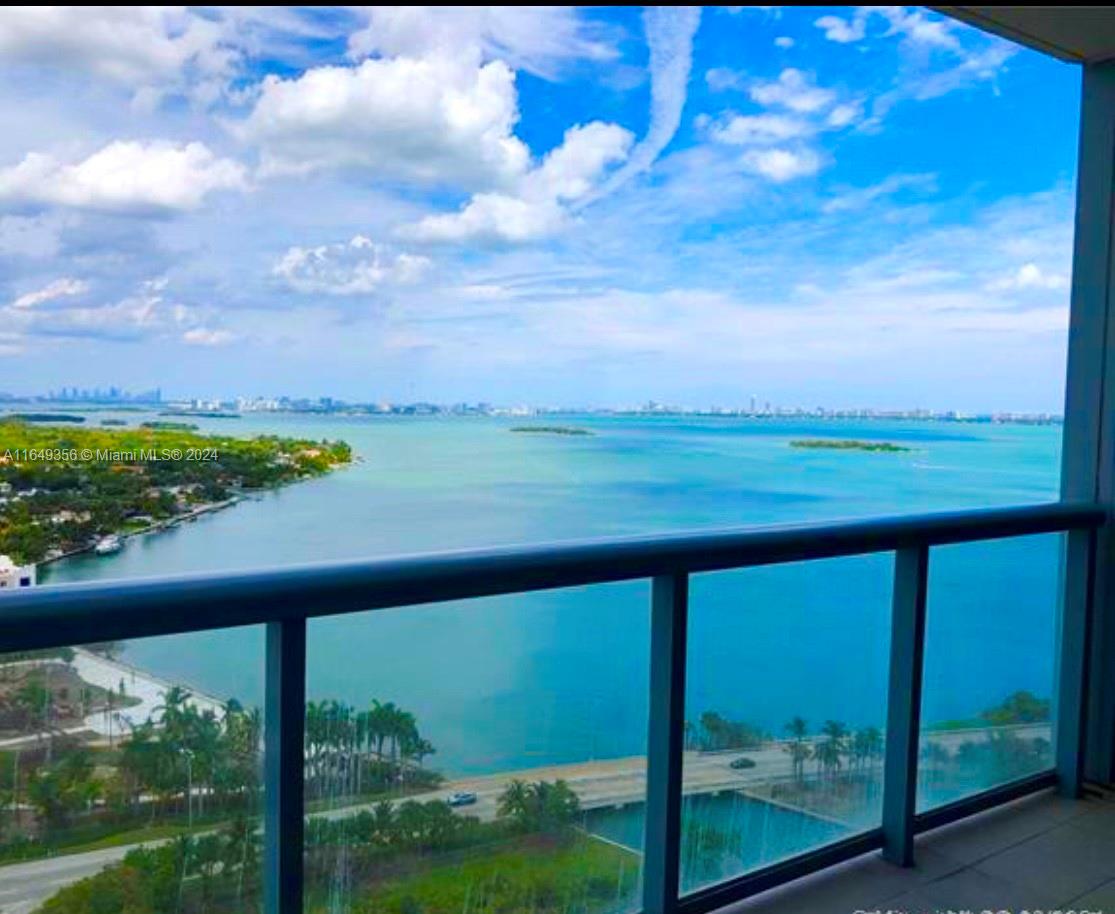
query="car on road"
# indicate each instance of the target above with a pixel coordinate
(742, 762)
(461, 798)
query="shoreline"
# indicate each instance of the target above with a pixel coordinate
(157, 527)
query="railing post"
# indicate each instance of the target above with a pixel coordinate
(1074, 619)
(1088, 451)
(907, 650)
(665, 744)
(284, 724)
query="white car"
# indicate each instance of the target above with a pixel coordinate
(461, 799)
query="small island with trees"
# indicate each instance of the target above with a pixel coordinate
(849, 444)
(63, 489)
(551, 430)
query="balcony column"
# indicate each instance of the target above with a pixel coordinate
(283, 764)
(1088, 461)
(665, 743)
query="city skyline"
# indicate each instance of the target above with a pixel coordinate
(749, 406)
(600, 206)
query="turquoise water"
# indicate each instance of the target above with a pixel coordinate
(561, 676)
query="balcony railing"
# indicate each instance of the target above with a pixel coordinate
(284, 599)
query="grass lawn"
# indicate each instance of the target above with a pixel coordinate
(578, 873)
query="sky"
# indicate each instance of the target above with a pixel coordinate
(836, 207)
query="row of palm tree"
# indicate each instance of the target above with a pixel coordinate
(834, 745)
(191, 757)
(349, 751)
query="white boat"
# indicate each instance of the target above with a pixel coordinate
(108, 545)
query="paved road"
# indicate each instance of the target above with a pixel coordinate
(613, 782)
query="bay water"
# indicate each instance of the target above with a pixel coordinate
(534, 679)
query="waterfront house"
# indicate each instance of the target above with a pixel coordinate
(13, 576)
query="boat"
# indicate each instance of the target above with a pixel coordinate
(108, 545)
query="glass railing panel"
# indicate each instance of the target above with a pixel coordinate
(989, 662)
(785, 709)
(486, 755)
(130, 772)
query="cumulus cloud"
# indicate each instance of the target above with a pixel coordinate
(843, 31)
(794, 90)
(540, 40)
(781, 165)
(759, 129)
(784, 42)
(146, 313)
(928, 40)
(800, 111)
(134, 46)
(912, 25)
(124, 176)
(538, 208)
(1029, 276)
(435, 120)
(355, 267)
(59, 288)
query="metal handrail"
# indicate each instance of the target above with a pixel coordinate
(57, 615)
(283, 600)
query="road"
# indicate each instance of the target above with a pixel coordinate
(598, 784)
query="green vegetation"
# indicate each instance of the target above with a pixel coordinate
(397, 858)
(1020, 707)
(714, 733)
(45, 417)
(351, 753)
(170, 426)
(849, 444)
(171, 774)
(572, 873)
(63, 489)
(551, 430)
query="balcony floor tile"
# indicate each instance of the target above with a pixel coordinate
(1039, 852)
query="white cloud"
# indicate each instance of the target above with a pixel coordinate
(844, 115)
(356, 267)
(912, 25)
(781, 165)
(540, 40)
(784, 42)
(492, 218)
(917, 27)
(59, 288)
(669, 32)
(843, 31)
(204, 336)
(135, 46)
(1029, 276)
(759, 129)
(720, 79)
(538, 208)
(128, 318)
(123, 177)
(794, 90)
(858, 198)
(435, 120)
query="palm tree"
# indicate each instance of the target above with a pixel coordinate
(829, 751)
(797, 748)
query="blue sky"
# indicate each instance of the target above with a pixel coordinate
(814, 206)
